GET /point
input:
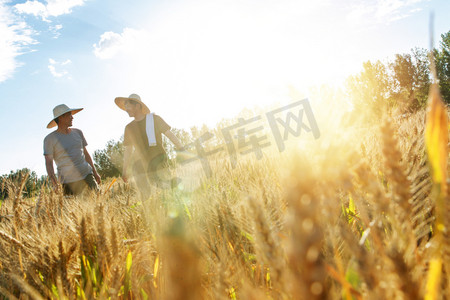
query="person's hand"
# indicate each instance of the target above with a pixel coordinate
(97, 178)
(55, 183)
(125, 177)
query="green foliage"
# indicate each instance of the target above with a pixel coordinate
(91, 276)
(144, 294)
(370, 91)
(411, 74)
(442, 57)
(352, 276)
(32, 183)
(109, 161)
(184, 137)
(127, 282)
(402, 83)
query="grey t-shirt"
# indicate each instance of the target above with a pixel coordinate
(67, 151)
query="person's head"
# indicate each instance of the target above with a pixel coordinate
(63, 116)
(65, 120)
(132, 104)
(133, 108)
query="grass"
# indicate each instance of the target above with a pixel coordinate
(357, 214)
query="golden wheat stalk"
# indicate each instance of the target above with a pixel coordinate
(436, 140)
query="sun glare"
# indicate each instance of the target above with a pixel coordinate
(224, 59)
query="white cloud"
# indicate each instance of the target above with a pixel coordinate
(52, 8)
(60, 7)
(15, 37)
(375, 12)
(112, 43)
(66, 62)
(35, 8)
(55, 64)
(55, 30)
(394, 8)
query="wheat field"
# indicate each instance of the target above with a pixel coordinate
(360, 214)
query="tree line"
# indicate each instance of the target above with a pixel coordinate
(26, 180)
(401, 83)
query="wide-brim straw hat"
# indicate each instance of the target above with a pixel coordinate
(120, 101)
(59, 110)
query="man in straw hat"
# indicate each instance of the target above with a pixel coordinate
(143, 141)
(67, 147)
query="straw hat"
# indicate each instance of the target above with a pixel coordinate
(59, 110)
(120, 101)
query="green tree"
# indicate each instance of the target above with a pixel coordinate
(411, 78)
(184, 136)
(31, 183)
(109, 161)
(370, 91)
(442, 57)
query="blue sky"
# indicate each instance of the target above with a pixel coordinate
(192, 62)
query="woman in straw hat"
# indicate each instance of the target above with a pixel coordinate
(67, 147)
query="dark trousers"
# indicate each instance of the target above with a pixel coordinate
(77, 187)
(154, 174)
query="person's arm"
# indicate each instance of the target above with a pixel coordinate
(128, 150)
(50, 170)
(91, 163)
(174, 139)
